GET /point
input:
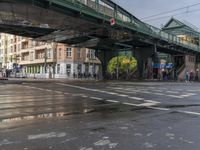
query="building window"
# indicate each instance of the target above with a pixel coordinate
(40, 54)
(78, 53)
(79, 68)
(25, 56)
(60, 53)
(91, 54)
(58, 68)
(68, 52)
(191, 59)
(68, 69)
(48, 53)
(31, 56)
(11, 49)
(19, 47)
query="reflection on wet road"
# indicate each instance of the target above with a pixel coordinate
(18, 101)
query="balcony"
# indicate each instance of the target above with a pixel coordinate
(42, 46)
(36, 61)
(39, 61)
(26, 50)
(25, 62)
(24, 39)
(92, 60)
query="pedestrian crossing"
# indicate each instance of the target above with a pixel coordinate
(166, 92)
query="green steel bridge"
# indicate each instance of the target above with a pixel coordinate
(86, 23)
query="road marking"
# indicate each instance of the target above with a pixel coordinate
(96, 98)
(136, 98)
(147, 104)
(156, 92)
(173, 92)
(189, 112)
(126, 92)
(188, 95)
(150, 104)
(122, 95)
(112, 93)
(58, 92)
(47, 135)
(84, 96)
(112, 101)
(151, 101)
(49, 90)
(193, 90)
(174, 96)
(159, 108)
(41, 89)
(89, 89)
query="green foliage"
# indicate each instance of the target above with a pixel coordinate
(124, 63)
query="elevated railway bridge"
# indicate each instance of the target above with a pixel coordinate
(98, 24)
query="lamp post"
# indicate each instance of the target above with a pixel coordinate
(197, 74)
(54, 58)
(117, 66)
(45, 60)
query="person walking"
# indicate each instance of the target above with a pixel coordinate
(187, 77)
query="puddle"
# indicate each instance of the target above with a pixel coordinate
(98, 129)
(104, 108)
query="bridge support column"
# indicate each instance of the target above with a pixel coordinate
(144, 58)
(104, 56)
(197, 77)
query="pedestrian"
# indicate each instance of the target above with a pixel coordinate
(187, 77)
(191, 76)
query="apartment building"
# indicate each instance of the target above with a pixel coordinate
(3, 50)
(28, 58)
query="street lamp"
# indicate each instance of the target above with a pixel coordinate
(197, 74)
(45, 60)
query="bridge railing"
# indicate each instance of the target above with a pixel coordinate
(132, 23)
(172, 38)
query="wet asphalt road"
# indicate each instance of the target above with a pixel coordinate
(100, 116)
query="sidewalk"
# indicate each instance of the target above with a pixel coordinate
(42, 80)
(38, 80)
(2, 78)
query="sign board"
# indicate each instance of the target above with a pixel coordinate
(161, 66)
(169, 66)
(112, 21)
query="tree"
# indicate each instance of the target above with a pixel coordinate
(122, 65)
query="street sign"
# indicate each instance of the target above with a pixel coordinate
(169, 66)
(112, 21)
(161, 66)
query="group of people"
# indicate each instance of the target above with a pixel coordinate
(190, 76)
(5, 73)
(86, 76)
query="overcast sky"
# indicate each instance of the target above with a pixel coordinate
(145, 8)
